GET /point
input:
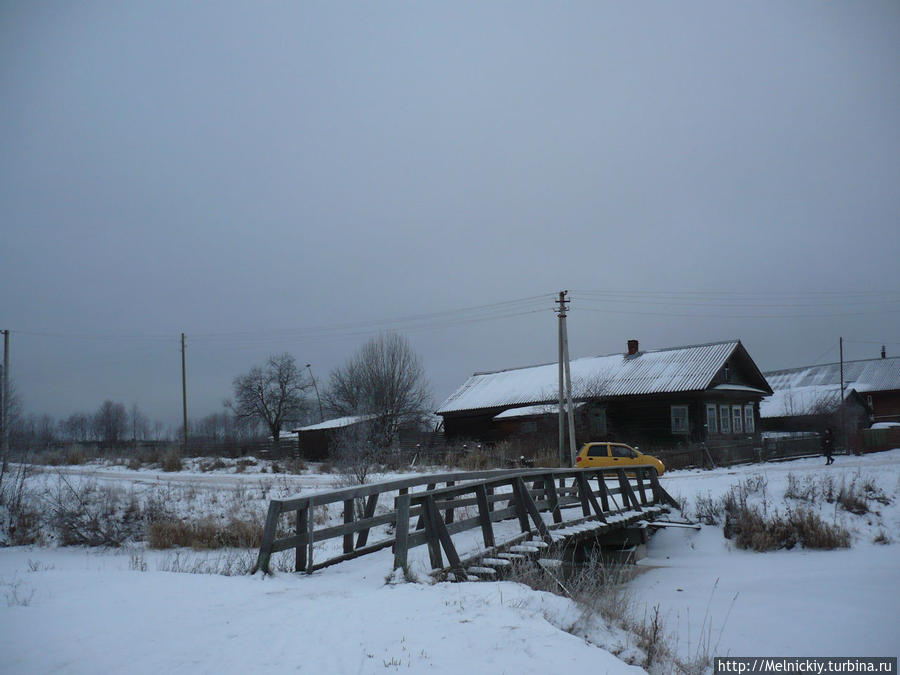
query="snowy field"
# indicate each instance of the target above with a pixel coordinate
(80, 610)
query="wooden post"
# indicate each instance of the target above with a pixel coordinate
(484, 516)
(659, 493)
(348, 519)
(310, 527)
(583, 490)
(490, 491)
(401, 530)
(448, 514)
(443, 537)
(519, 506)
(552, 498)
(300, 550)
(640, 486)
(587, 496)
(603, 490)
(268, 537)
(431, 535)
(524, 497)
(363, 536)
(627, 492)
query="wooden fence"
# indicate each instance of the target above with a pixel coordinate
(428, 516)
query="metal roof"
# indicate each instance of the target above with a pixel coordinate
(677, 369)
(864, 376)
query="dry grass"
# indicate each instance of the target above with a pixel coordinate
(204, 534)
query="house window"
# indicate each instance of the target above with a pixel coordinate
(679, 419)
(749, 425)
(598, 422)
(529, 427)
(725, 419)
(736, 418)
(712, 426)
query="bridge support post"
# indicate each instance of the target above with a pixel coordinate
(552, 498)
(268, 538)
(628, 497)
(484, 516)
(401, 532)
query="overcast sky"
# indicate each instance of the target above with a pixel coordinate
(270, 177)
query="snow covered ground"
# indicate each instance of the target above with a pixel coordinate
(80, 610)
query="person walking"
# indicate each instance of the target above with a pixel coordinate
(828, 446)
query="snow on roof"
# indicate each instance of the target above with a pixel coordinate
(739, 387)
(666, 370)
(864, 376)
(337, 423)
(531, 410)
(797, 401)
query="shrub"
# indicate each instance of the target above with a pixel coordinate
(171, 460)
(204, 534)
(752, 529)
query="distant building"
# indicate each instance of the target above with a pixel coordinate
(699, 393)
(805, 396)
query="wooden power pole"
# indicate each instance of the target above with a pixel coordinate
(566, 409)
(4, 409)
(184, 396)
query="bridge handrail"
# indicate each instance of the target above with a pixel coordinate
(523, 502)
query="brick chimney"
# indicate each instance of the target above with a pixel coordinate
(632, 347)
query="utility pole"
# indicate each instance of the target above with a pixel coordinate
(316, 387)
(565, 388)
(184, 396)
(570, 406)
(4, 409)
(562, 422)
(841, 408)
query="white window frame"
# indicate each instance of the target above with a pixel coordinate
(712, 418)
(725, 419)
(749, 419)
(737, 417)
(687, 424)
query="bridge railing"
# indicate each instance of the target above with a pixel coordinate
(428, 516)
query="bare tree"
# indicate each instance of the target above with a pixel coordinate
(273, 394)
(140, 425)
(111, 422)
(76, 427)
(385, 379)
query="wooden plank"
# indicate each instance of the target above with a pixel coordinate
(363, 535)
(401, 531)
(490, 491)
(484, 516)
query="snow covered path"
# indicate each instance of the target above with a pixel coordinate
(90, 613)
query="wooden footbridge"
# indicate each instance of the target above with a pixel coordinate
(517, 513)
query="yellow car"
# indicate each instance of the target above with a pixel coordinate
(614, 455)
